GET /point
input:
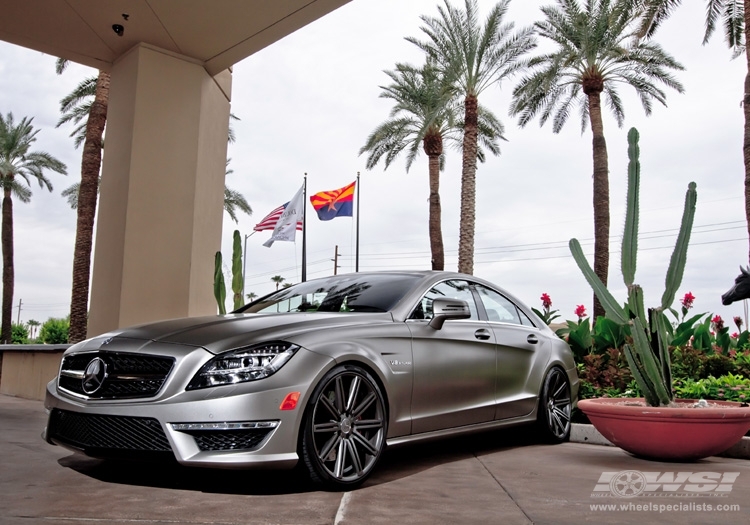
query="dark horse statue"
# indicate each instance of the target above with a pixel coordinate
(740, 290)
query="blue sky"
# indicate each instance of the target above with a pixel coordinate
(307, 104)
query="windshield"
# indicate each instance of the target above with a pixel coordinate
(344, 293)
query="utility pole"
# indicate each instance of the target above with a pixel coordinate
(20, 303)
(335, 259)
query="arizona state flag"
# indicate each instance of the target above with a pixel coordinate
(336, 203)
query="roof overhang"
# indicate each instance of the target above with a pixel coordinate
(216, 33)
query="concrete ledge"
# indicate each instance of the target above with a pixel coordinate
(582, 433)
(26, 369)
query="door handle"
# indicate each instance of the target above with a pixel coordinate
(482, 334)
(532, 339)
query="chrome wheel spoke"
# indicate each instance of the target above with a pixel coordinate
(364, 405)
(354, 455)
(338, 470)
(330, 426)
(339, 396)
(353, 391)
(329, 406)
(368, 424)
(329, 445)
(360, 439)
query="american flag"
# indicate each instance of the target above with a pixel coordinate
(270, 220)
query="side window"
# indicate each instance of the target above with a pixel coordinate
(500, 309)
(454, 289)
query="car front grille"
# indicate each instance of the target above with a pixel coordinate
(123, 375)
(101, 434)
(216, 440)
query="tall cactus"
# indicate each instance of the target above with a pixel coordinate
(647, 346)
(237, 277)
(220, 289)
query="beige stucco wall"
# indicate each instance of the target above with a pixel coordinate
(26, 374)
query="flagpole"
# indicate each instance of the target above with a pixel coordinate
(356, 258)
(304, 230)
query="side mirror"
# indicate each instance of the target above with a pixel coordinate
(444, 309)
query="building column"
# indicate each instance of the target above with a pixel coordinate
(162, 192)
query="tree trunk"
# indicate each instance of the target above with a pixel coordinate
(436, 231)
(601, 196)
(468, 188)
(8, 272)
(746, 110)
(87, 197)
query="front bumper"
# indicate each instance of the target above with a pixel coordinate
(232, 426)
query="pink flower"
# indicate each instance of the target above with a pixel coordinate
(735, 335)
(718, 322)
(687, 301)
(546, 301)
(581, 311)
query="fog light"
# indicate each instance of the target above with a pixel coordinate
(290, 401)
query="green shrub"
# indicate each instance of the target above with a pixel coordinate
(19, 335)
(54, 331)
(729, 387)
(718, 365)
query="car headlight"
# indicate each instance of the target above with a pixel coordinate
(243, 364)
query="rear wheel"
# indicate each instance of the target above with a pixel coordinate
(344, 428)
(555, 407)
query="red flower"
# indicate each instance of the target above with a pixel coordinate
(738, 322)
(718, 322)
(546, 301)
(581, 311)
(687, 301)
(735, 335)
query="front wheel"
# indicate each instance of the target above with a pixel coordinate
(555, 407)
(344, 428)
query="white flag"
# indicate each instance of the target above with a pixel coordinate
(286, 228)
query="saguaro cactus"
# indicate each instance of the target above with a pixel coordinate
(220, 289)
(237, 278)
(647, 345)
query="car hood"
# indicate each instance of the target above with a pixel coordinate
(221, 333)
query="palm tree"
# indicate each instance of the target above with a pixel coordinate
(595, 51)
(278, 280)
(33, 325)
(251, 296)
(234, 200)
(426, 114)
(477, 57)
(735, 15)
(88, 101)
(18, 164)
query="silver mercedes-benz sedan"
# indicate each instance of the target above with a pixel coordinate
(327, 372)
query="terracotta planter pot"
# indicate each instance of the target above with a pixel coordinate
(677, 433)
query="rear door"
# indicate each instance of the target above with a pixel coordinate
(518, 347)
(454, 367)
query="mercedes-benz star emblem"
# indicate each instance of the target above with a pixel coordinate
(94, 375)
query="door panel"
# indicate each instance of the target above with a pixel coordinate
(519, 344)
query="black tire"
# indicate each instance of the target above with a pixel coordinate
(344, 428)
(555, 406)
